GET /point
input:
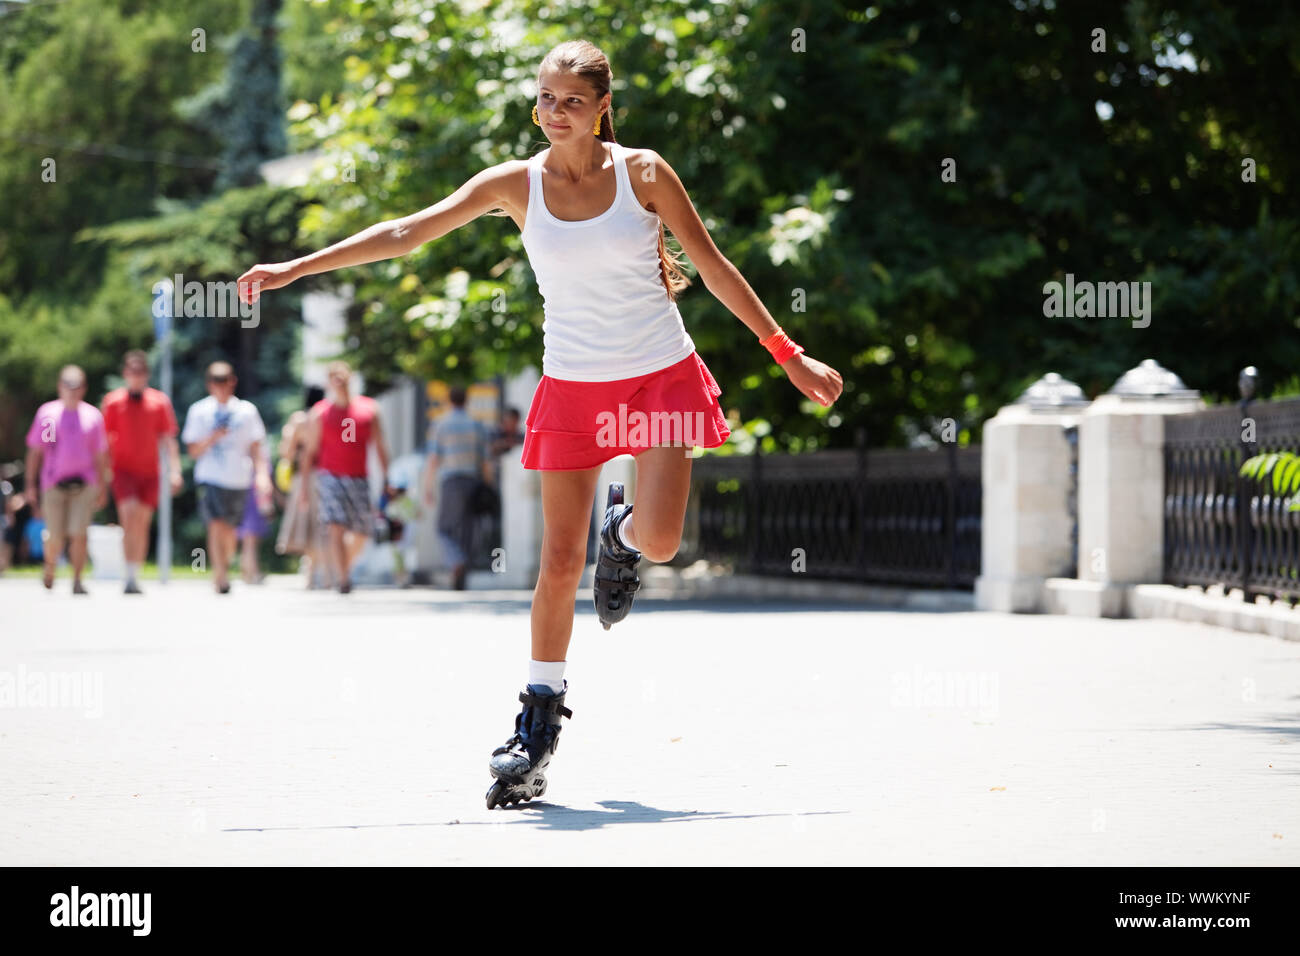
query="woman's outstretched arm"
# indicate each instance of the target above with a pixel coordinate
(388, 239)
(815, 379)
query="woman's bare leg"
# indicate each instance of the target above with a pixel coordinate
(663, 484)
(248, 558)
(567, 501)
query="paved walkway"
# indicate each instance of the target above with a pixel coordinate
(277, 726)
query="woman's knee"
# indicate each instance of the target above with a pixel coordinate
(657, 544)
(564, 562)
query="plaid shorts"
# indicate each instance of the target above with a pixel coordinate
(345, 500)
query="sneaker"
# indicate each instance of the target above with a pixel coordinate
(79, 588)
(132, 588)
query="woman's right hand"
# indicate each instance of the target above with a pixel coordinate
(815, 379)
(265, 277)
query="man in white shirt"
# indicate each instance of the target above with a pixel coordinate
(225, 437)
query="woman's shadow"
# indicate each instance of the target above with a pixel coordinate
(554, 816)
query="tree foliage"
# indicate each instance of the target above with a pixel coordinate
(88, 90)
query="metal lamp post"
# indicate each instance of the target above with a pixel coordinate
(162, 327)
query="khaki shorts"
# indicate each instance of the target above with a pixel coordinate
(67, 513)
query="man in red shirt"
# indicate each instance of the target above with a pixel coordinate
(137, 418)
(339, 432)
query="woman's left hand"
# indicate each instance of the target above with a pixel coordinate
(815, 379)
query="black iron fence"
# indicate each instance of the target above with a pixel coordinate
(1222, 528)
(891, 516)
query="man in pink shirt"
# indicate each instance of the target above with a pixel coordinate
(68, 448)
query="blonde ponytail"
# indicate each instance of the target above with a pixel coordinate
(670, 267)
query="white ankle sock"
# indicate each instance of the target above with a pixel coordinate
(547, 673)
(618, 533)
(132, 569)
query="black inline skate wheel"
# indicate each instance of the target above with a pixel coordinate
(502, 794)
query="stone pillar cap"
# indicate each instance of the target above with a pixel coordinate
(1151, 380)
(1052, 392)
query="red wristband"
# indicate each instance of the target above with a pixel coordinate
(781, 347)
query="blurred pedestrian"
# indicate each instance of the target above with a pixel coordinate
(458, 461)
(253, 526)
(400, 510)
(341, 429)
(138, 419)
(226, 438)
(14, 503)
(68, 449)
(509, 435)
(300, 533)
(505, 437)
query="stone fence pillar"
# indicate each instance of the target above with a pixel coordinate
(1027, 522)
(1121, 492)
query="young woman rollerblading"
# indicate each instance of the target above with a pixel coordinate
(616, 355)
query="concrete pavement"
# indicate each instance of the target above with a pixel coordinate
(275, 726)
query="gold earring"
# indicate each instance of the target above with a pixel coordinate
(596, 130)
(536, 121)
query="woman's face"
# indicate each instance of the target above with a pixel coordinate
(567, 106)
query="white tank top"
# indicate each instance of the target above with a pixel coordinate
(607, 313)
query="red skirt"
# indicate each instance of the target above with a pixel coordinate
(576, 425)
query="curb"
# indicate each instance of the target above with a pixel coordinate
(691, 583)
(1213, 606)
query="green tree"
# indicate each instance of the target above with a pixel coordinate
(88, 136)
(247, 106)
(87, 130)
(207, 244)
